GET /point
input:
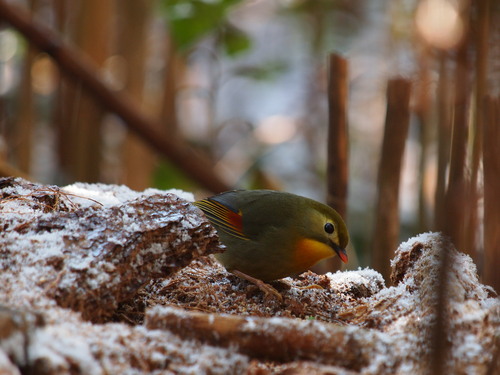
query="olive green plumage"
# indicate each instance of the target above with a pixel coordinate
(270, 235)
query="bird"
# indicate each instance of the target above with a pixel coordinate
(270, 235)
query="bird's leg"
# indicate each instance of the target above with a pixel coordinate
(264, 287)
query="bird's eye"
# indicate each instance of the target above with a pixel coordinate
(329, 228)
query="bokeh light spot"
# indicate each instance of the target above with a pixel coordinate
(276, 129)
(439, 23)
(8, 45)
(43, 75)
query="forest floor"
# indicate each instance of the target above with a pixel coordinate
(100, 279)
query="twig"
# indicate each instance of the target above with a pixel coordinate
(81, 69)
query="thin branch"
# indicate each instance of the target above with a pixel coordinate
(81, 69)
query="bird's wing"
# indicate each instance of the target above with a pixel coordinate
(223, 217)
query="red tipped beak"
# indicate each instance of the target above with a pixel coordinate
(340, 252)
(342, 255)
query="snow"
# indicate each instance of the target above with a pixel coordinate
(85, 195)
(410, 318)
(27, 212)
(343, 281)
(6, 366)
(187, 196)
(55, 344)
(14, 345)
(395, 321)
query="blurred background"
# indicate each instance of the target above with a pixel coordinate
(244, 85)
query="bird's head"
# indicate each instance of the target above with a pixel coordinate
(323, 225)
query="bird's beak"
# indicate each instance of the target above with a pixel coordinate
(340, 252)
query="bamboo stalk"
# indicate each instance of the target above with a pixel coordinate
(386, 233)
(79, 67)
(491, 164)
(24, 129)
(482, 25)
(25, 113)
(173, 70)
(337, 168)
(444, 137)
(456, 199)
(61, 109)
(138, 159)
(422, 112)
(94, 39)
(338, 143)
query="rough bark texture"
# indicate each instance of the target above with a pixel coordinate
(280, 340)
(90, 258)
(82, 254)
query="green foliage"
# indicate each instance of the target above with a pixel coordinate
(166, 176)
(264, 71)
(191, 20)
(233, 40)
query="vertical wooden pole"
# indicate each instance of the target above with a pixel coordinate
(482, 27)
(444, 137)
(94, 38)
(423, 116)
(173, 73)
(456, 204)
(61, 110)
(137, 157)
(25, 117)
(386, 231)
(491, 164)
(338, 144)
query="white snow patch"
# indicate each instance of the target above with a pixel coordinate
(84, 194)
(344, 280)
(56, 344)
(6, 366)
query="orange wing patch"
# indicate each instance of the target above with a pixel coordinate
(223, 217)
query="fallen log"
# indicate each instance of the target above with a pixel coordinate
(273, 339)
(90, 254)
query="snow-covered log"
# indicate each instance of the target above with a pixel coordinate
(71, 257)
(91, 246)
